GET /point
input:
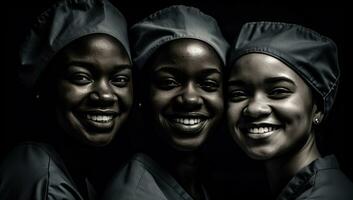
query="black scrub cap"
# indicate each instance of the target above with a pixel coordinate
(312, 56)
(64, 22)
(174, 23)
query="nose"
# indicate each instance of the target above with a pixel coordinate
(257, 107)
(103, 93)
(189, 98)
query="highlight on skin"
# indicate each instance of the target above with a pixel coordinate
(270, 108)
(185, 92)
(94, 88)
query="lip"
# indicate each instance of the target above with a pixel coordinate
(101, 112)
(98, 120)
(187, 123)
(258, 131)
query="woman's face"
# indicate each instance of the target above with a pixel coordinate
(185, 92)
(93, 88)
(270, 108)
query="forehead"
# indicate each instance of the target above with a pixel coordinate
(94, 42)
(96, 52)
(186, 53)
(258, 66)
(187, 45)
(94, 49)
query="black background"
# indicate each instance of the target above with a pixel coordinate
(235, 175)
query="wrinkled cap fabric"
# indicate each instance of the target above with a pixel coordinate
(64, 22)
(311, 55)
(173, 23)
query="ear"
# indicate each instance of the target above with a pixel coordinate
(318, 115)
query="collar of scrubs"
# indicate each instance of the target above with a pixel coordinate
(153, 167)
(305, 178)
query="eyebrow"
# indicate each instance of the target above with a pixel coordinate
(211, 71)
(236, 82)
(166, 68)
(91, 66)
(123, 67)
(271, 80)
(278, 79)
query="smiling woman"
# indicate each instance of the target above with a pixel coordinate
(180, 53)
(277, 91)
(78, 71)
(93, 89)
(185, 92)
(282, 84)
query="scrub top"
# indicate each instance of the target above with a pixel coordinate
(142, 178)
(35, 171)
(321, 180)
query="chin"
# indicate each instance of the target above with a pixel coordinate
(258, 157)
(259, 154)
(99, 140)
(186, 144)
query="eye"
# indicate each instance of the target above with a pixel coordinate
(280, 93)
(209, 85)
(237, 95)
(167, 83)
(120, 80)
(80, 78)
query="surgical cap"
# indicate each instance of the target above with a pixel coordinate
(311, 55)
(174, 23)
(60, 25)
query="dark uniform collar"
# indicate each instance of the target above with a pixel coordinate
(305, 178)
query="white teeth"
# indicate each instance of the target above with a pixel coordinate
(100, 118)
(188, 121)
(261, 130)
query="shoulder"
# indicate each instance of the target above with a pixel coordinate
(330, 182)
(23, 170)
(31, 171)
(30, 159)
(135, 180)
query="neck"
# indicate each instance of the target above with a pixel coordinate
(79, 160)
(281, 169)
(188, 175)
(184, 166)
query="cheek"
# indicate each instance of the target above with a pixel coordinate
(125, 96)
(233, 114)
(160, 100)
(294, 110)
(214, 102)
(70, 96)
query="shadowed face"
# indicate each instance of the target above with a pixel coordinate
(185, 92)
(93, 88)
(270, 108)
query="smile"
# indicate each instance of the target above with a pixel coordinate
(261, 131)
(100, 118)
(187, 121)
(188, 125)
(98, 121)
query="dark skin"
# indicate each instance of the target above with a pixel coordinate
(88, 96)
(270, 115)
(185, 101)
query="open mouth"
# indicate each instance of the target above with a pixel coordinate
(99, 118)
(189, 125)
(98, 121)
(259, 131)
(188, 121)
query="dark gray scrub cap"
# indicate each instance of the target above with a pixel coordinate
(312, 56)
(173, 23)
(63, 23)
